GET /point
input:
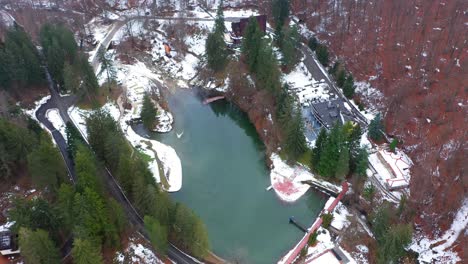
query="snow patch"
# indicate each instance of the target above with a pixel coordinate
(340, 217)
(431, 251)
(54, 117)
(136, 253)
(165, 121)
(307, 89)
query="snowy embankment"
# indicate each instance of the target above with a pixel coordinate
(340, 217)
(138, 80)
(136, 253)
(165, 121)
(172, 166)
(287, 180)
(78, 116)
(440, 250)
(54, 117)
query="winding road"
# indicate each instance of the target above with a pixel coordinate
(319, 73)
(62, 104)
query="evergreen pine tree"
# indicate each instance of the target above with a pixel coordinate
(107, 66)
(143, 199)
(71, 82)
(125, 173)
(334, 70)
(288, 47)
(284, 107)
(19, 62)
(319, 146)
(84, 252)
(89, 84)
(46, 165)
(251, 44)
(348, 87)
(190, 232)
(313, 43)
(280, 11)
(322, 54)
(32, 65)
(55, 61)
(148, 113)
(201, 243)
(295, 144)
(341, 78)
(73, 139)
(163, 208)
(65, 200)
(331, 153)
(37, 247)
(157, 234)
(5, 68)
(393, 246)
(342, 165)
(362, 162)
(216, 49)
(268, 74)
(376, 128)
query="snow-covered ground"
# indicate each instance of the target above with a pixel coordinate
(287, 180)
(372, 96)
(306, 88)
(139, 80)
(6, 226)
(78, 117)
(172, 166)
(99, 30)
(361, 254)
(340, 217)
(440, 250)
(6, 19)
(54, 117)
(324, 243)
(165, 121)
(319, 253)
(136, 253)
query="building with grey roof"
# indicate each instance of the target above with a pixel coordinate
(328, 113)
(8, 243)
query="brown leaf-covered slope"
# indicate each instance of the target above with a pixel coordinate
(418, 51)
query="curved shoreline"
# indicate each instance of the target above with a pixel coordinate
(171, 163)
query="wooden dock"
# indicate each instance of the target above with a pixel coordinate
(212, 99)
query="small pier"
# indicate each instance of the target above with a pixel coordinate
(325, 189)
(212, 99)
(293, 221)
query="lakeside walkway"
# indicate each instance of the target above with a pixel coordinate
(292, 255)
